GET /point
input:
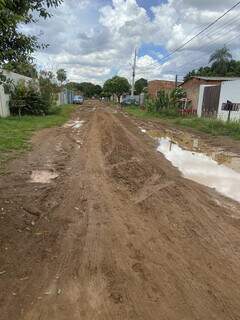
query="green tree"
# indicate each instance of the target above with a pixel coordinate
(48, 87)
(24, 68)
(87, 89)
(117, 85)
(140, 85)
(14, 45)
(220, 59)
(61, 76)
(98, 90)
(222, 65)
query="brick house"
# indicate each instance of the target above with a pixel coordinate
(155, 86)
(192, 86)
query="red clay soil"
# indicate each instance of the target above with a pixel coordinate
(119, 234)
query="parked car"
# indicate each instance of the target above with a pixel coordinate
(78, 100)
(129, 101)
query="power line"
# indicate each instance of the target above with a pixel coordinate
(202, 31)
(211, 34)
(200, 59)
(194, 65)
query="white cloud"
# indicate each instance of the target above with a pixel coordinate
(92, 40)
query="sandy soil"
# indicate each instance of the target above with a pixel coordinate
(115, 232)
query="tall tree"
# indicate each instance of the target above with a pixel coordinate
(220, 59)
(87, 89)
(222, 65)
(98, 90)
(61, 76)
(140, 85)
(14, 45)
(222, 54)
(117, 85)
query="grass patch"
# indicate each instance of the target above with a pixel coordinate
(211, 126)
(15, 133)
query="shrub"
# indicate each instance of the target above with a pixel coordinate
(27, 100)
(150, 105)
(166, 103)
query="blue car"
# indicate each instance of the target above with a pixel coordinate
(78, 100)
(129, 101)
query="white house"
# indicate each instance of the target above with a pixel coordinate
(230, 91)
(4, 98)
(213, 100)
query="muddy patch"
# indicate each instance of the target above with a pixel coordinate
(74, 124)
(43, 176)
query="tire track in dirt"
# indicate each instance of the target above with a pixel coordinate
(126, 237)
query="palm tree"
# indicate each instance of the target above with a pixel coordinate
(220, 59)
(221, 55)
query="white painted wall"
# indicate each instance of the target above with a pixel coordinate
(200, 99)
(4, 103)
(230, 90)
(4, 98)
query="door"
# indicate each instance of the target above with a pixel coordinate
(211, 98)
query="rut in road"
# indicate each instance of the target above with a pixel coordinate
(128, 238)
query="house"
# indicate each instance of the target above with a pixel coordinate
(155, 86)
(221, 101)
(4, 98)
(193, 84)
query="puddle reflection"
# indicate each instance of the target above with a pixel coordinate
(202, 168)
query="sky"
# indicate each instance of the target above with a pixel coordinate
(94, 40)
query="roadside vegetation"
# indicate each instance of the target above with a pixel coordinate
(173, 108)
(211, 126)
(15, 133)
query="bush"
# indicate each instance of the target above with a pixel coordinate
(27, 100)
(166, 103)
(150, 106)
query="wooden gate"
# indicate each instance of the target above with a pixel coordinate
(211, 98)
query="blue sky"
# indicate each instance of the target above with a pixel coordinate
(94, 39)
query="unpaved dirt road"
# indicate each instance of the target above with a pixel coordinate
(119, 234)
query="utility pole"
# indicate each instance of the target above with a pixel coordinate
(176, 81)
(134, 72)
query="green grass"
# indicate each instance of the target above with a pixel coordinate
(211, 126)
(15, 133)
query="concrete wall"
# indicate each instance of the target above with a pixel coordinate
(156, 85)
(15, 77)
(192, 88)
(4, 98)
(4, 103)
(230, 90)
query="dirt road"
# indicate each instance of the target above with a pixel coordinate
(95, 224)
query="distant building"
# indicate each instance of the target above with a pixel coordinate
(155, 86)
(192, 86)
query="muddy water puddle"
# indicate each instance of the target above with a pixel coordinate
(74, 124)
(212, 167)
(43, 176)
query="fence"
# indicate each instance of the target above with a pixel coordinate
(65, 97)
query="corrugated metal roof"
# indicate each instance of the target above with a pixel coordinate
(217, 78)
